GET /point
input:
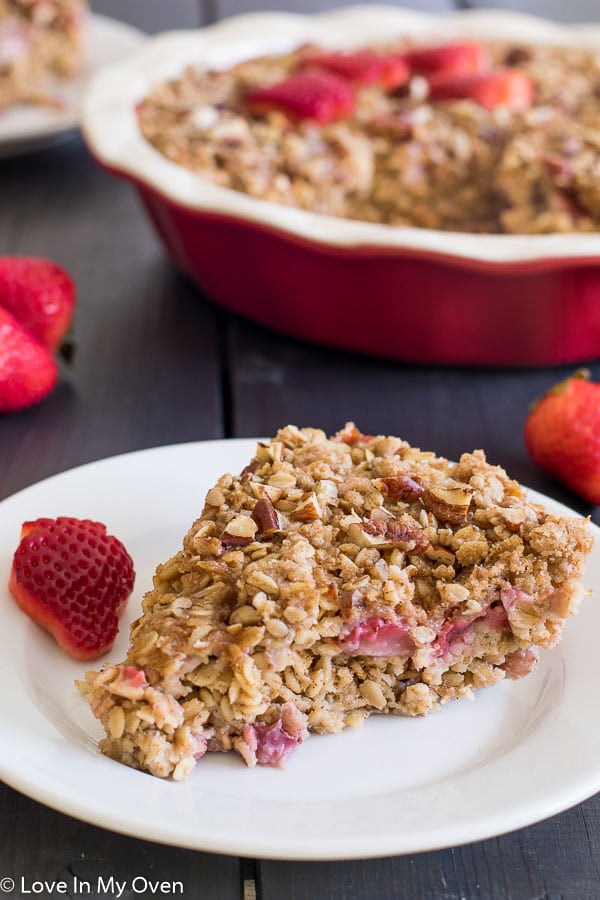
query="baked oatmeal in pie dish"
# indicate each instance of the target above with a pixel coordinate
(471, 135)
(333, 578)
(444, 165)
(41, 45)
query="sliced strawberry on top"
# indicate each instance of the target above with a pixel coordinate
(509, 88)
(73, 579)
(40, 293)
(468, 56)
(363, 67)
(319, 95)
(28, 372)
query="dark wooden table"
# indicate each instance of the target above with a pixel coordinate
(157, 364)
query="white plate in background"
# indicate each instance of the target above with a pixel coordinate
(26, 128)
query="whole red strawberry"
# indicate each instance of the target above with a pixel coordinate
(73, 579)
(28, 372)
(40, 294)
(562, 434)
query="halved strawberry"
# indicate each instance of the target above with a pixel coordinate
(30, 525)
(468, 56)
(73, 579)
(509, 88)
(321, 96)
(363, 67)
(40, 293)
(28, 372)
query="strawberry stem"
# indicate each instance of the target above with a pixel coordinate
(561, 386)
(580, 375)
(68, 348)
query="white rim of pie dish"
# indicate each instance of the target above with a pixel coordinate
(109, 124)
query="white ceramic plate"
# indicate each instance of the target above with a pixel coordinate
(27, 128)
(521, 752)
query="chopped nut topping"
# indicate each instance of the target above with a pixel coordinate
(272, 452)
(266, 490)
(282, 480)
(400, 487)
(215, 497)
(452, 594)
(448, 504)
(308, 510)
(440, 555)
(351, 435)
(266, 516)
(512, 516)
(388, 533)
(242, 526)
(209, 546)
(327, 490)
(233, 540)
(382, 513)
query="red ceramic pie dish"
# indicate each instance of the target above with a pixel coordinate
(409, 294)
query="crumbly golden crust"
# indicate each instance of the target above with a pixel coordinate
(41, 43)
(400, 159)
(333, 578)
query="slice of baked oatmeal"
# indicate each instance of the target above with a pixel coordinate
(333, 578)
(41, 41)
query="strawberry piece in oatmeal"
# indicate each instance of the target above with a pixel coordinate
(376, 637)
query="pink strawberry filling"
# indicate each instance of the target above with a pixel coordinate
(495, 618)
(130, 682)
(449, 634)
(134, 677)
(455, 632)
(521, 663)
(510, 596)
(271, 744)
(378, 637)
(200, 745)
